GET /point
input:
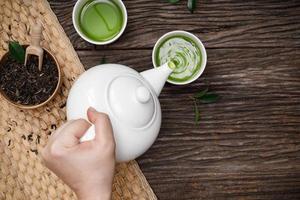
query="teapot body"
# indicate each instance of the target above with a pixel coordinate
(135, 125)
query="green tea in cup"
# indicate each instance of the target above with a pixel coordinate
(100, 21)
(186, 52)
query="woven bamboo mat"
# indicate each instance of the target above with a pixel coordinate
(24, 132)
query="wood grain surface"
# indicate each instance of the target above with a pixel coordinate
(220, 23)
(247, 145)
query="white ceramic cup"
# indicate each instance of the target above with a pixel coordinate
(198, 43)
(75, 16)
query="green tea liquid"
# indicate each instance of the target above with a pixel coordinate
(184, 53)
(101, 20)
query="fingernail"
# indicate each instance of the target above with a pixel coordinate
(92, 109)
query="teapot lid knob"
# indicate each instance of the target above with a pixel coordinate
(142, 94)
(130, 101)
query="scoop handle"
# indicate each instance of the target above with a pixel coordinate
(36, 35)
(89, 134)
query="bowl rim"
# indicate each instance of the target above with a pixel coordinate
(83, 36)
(22, 106)
(190, 36)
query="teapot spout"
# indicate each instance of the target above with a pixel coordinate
(158, 76)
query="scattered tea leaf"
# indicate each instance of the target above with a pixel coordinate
(209, 98)
(203, 96)
(201, 93)
(29, 137)
(197, 113)
(53, 126)
(173, 1)
(16, 51)
(34, 151)
(103, 60)
(38, 139)
(191, 5)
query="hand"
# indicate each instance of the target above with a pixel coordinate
(87, 167)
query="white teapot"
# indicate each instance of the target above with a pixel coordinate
(128, 97)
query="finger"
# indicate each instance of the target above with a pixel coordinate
(73, 132)
(103, 128)
(60, 129)
(102, 124)
(91, 114)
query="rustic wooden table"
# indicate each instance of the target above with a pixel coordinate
(247, 145)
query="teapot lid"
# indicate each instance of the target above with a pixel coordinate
(131, 101)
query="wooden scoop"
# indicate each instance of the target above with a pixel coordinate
(34, 48)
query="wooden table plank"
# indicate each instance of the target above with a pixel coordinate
(266, 23)
(246, 146)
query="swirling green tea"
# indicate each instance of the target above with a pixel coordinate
(101, 20)
(184, 53)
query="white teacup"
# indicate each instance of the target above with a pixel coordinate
(197, 42)
(75, 16)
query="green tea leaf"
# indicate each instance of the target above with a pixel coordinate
(173, 1)
(103, 60)
(201, 93)
(16, 51)
(191, 5)
(209, 98)
(197, 113)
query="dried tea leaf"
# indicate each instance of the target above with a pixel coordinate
(27, 85)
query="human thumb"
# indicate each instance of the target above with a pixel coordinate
(103, 127)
